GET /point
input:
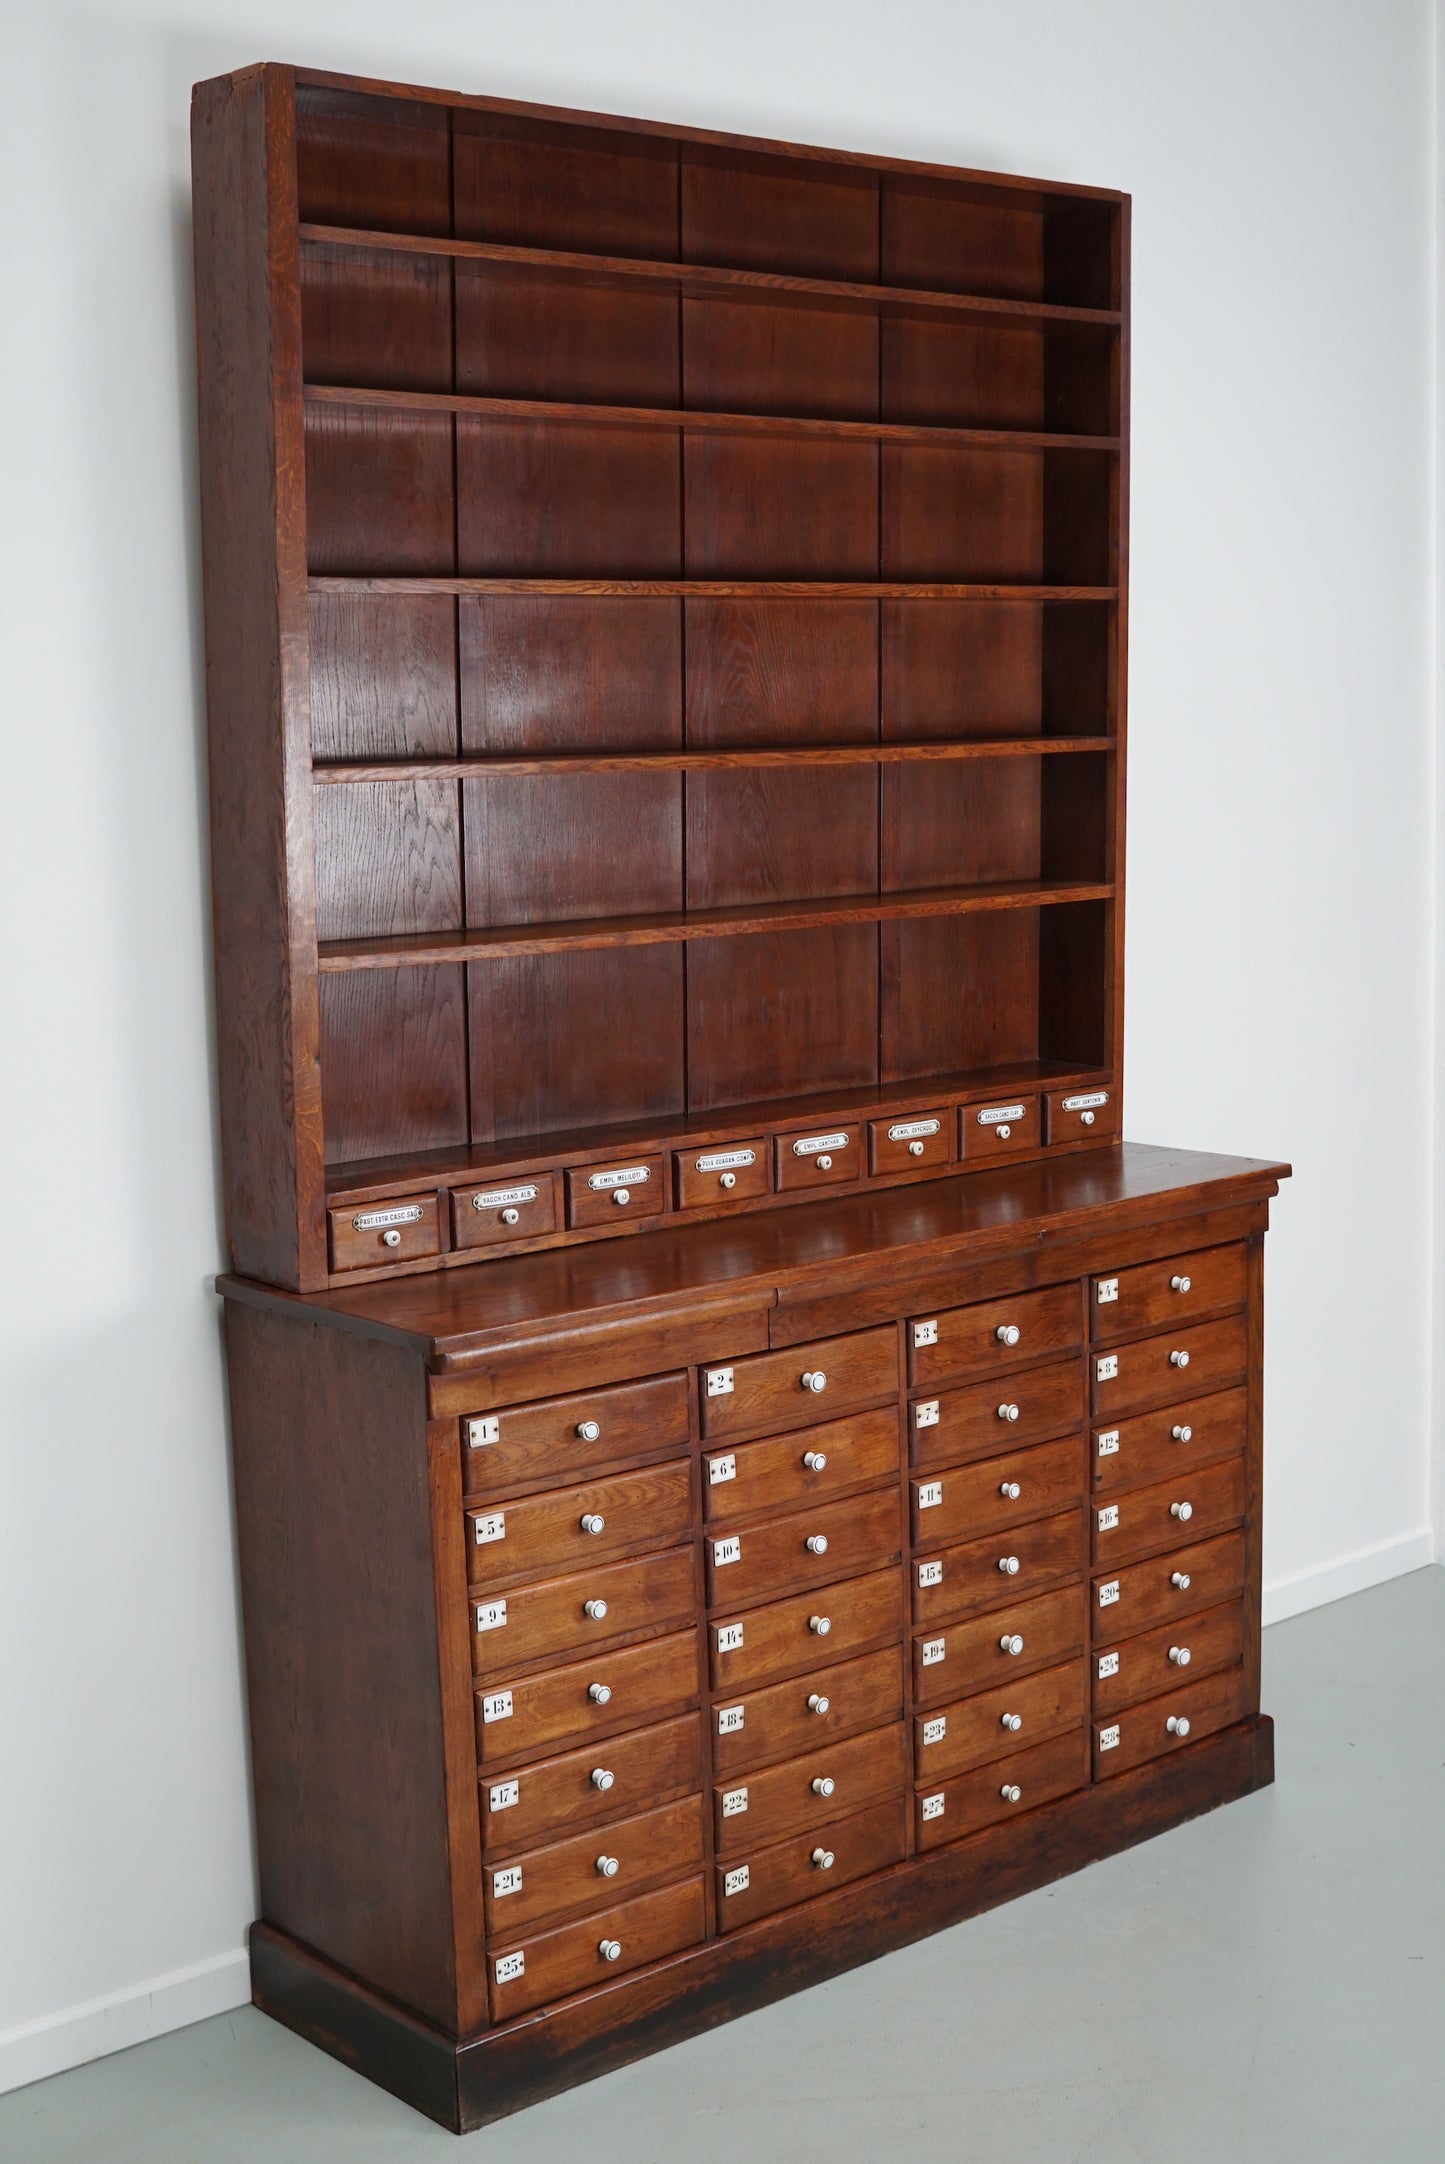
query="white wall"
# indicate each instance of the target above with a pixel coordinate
(1280, 952)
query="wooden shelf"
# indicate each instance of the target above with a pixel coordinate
(716, 589)
(702, 421)
(482, 766)
(712, 279)
(488, 942)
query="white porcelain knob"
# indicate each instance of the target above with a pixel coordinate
(1011, 1792)
(594, 1610)
(607, 1865)
(1177, 1725)
(1180, 1581)
(1013, 1722)
(815, 1460)
(1008, 1412)
(823, 1785)
(391, 1238)
(511, 1216)
(1179, 1359)
(1182, 1511)
(589, 1430)
(1180, 1656)
(824, 1164)
(1009, 1565)
(601, 1778)
(1010, 1643)
(817, 1703)
(1003, 1132)
(816, 1544)
(820, 1625)
(621, 1197)
(813, 1379)
(1179, 1284)
(1086, 1119)
(915, 1149)
(1010, 1490)
(599, 1693)
(1183, 1434)
(727, 1179)
(823, 1858)
(610, 1949)
(592, 1521)
(1007, 1333)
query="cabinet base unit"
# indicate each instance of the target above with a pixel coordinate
(606, 1677)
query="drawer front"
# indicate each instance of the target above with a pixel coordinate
(573, 1527)
(727, 1172)
(911, 1141)
(990, 1650)
(1167, 1658)
(1165, 1370)
(368, 1235)
(1191, 1505)
(809, 1864)
(980, 1574)
(1002, 1128)
(538, 1804)
(1173, 1291)
(811, 1465)
(809, 1547)
(562, 1615)
(811, 1628)
(572, 1959)
(561, 1439)
(1167, 1724)
(594, 1870)
(623, 1689)
(792, 1389)
(809, 1790)
(504, 1210)
(1081, 1115)
(1167, 1587)
(1149, 1445)
(823, 1157)
(819, 1706)
(613, 1193)
(1006, 1789)
(970, 1499)
(1023, 1327)
(1000, 1414)
(975, 1731)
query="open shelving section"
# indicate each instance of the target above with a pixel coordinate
(683, 657)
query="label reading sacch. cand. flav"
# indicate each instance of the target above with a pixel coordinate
(993, 1115)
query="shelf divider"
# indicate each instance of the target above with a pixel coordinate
(481, 766)
(714, 589)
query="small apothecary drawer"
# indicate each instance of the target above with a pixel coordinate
(981, 1419)
(999, 1567)
(571, 1528)
(1175, 1290)
(1081, 1115)
(504, 1210)
(1007, 1788)
(626, 1688)
(565, 1615)
(560, 1439)
(819, 1706)
(1193, 1505)
(1164, 1370)
(597, 1949)
(610, 1778)
(1006, 1491)
(806, 1790)
(790, 1389)
(824, 1157)
(728, 1172)
(1165, 1658)
(994, 1333)
(790, 1635)
(912, 1142)
(613, 1194)
(809, 1465)
(1001, 1128)
(810, 1864)
(1168, 1723)
(977, 1730)
(594, 1870)
(369, 1235)
(805, 1547)
(1152, 1444)
(987, 1649)
(1180, 1583)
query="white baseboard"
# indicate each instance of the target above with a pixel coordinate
(1347, 1574)
(38, 2049)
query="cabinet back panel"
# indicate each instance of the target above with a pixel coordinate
(1075, 981)
(739, 358)
(523, 334)
(376, 320)
(573, 1039)
(388, 859)
(556, 846)
(781, 1015)
(963, 375)
(770, 508)
(959, 992)
(953, 242)
(383, 676)
(962, 515)
(766, 214)
(781, 672)
(1078, 679)
(952, 825)
(533, 184)
(379, 493)
(393, 1062)
(764, 834)
(961, 668)
(539, 501)
(570, 673)
(383, 164)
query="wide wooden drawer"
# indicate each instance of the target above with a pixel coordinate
(728, 1172)
(503, 1211)
(974, 1731)
(1001, 1492)
(1165, 1724)
(1005, 1789)
(811, 1863)
(1168, 1586)
(1193, 1504)
(807, 1547)
(1166, 1658)
(824, 1157)
(596, 1607)
(791, 1635)
(911, 1142)
(820, 1705)
(571, 1438)
(620, 1689)
(580, 1955)
(571, 1527)
(812, 1465)
(594, 1870)
(1003, 1128)
(1023, 1327)
(613, 1778)
(792, 1389)
(1150, 1444)
(1175, 1290)
(999, 1567)
(991, 1649)
(809, 1790)
(605, 1194)
(1081, 1115)
(369, 1235)
(1003, 1413)
(1165, 1370)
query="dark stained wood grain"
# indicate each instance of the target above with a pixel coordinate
(383, 678)
(780, 508)
(528, 1015)
(780, 361)
(540, 503)
(523, 336)
(536, 185)
(785, 1011)
(372, 161)
(393, 1061)
(569, 675)
(800, 589)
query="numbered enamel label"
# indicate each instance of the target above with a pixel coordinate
(727, 1551)
(497, 1706)
(1109, 1593)
(491, 1615)
(507, 1882)
(1107, 1369)
(719, 1382)
(935, 1730)
(503, 1794)
(490, 1525)
(509, 1967)
(930, 1574)
(932, 1651)
(734, 1803)
(736, 1880)
(1108, 1518)
(930, 1494)
(729, 1637)
(1109, 1443)
(721, 1469)
(484, 1431)
(1108, 1666)
(926, 1414)
(730, 1719)
(1109, 1737)
(1106, 1291)
(932, 1806)
(925, 1333)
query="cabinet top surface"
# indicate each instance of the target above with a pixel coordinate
(829, 1245)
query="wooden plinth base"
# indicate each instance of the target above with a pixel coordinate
(465, 2084)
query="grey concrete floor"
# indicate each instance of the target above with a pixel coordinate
(1268, 1982)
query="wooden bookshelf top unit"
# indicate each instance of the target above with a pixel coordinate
(665, 611)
